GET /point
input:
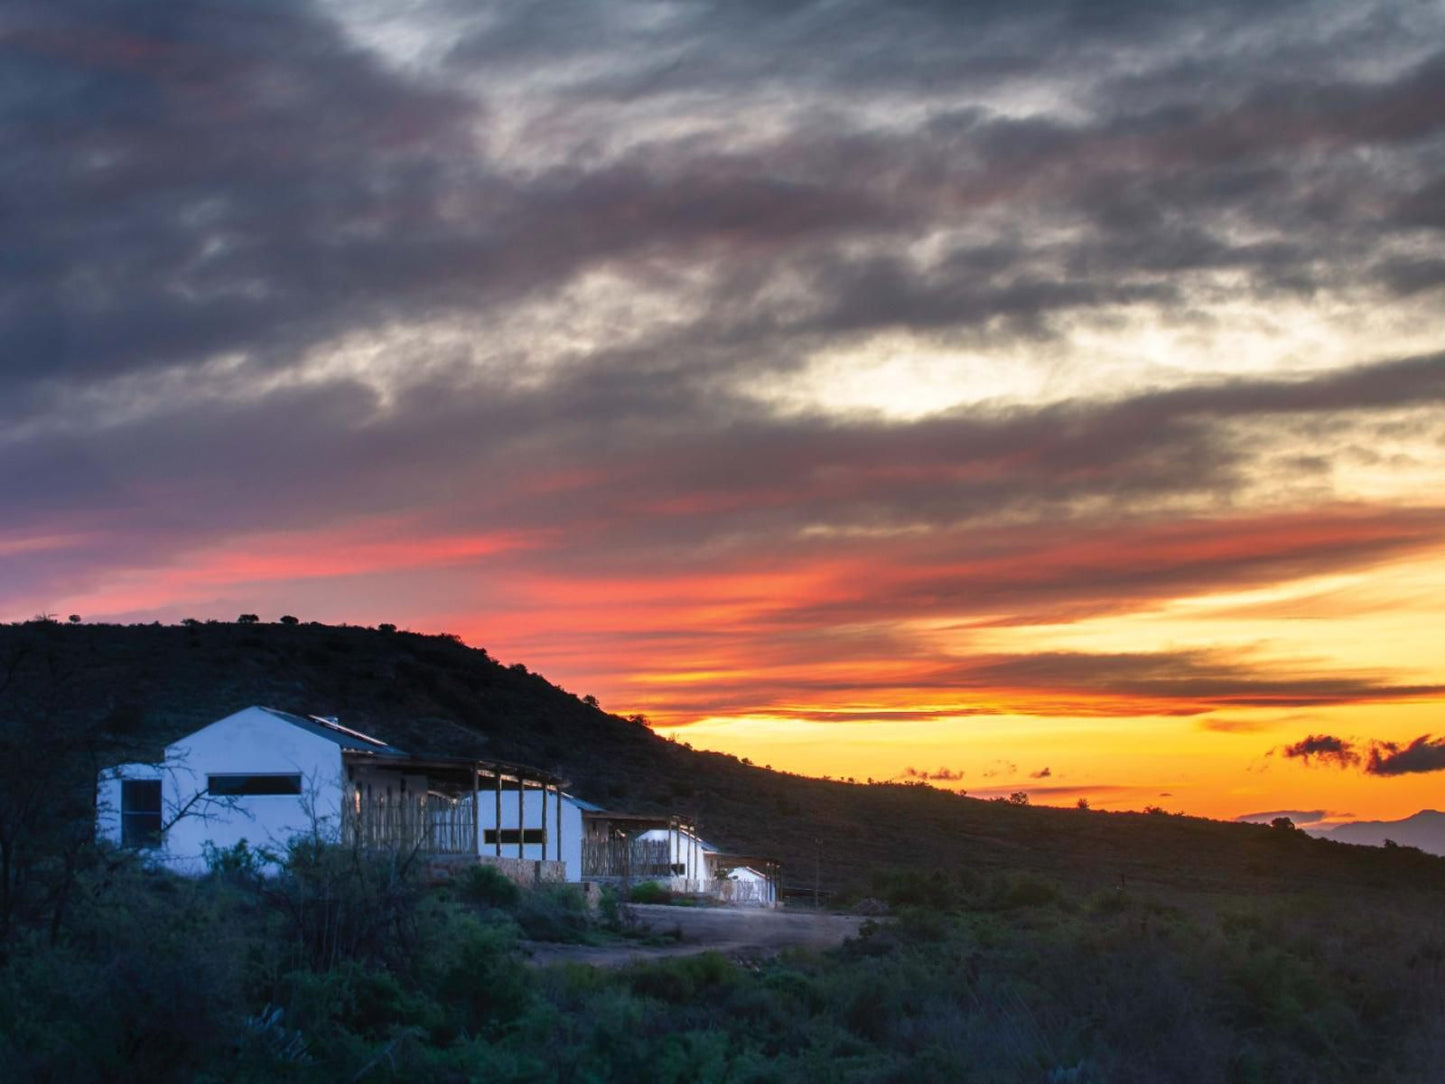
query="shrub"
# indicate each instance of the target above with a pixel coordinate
(486, 986)
(487, 886)
(236, 863)
(341, 903)
(913, 888)
(1011, 892)
(554, 913)
(682, 980)
(650, 892)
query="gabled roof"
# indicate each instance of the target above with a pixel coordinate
(333, 731)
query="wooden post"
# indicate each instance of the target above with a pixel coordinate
(476, 810)
(497, 829)
(521, 815)
(544, 822)
(557, 791)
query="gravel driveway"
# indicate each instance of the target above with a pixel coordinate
(734, 931)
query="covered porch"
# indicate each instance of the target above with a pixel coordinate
(639, 847)
(451, 806)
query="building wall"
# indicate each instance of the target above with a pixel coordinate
(751, 886)
(571, 849)
(252, 741)
(687, 850)
(107, 805)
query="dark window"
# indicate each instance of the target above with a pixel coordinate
(233, 786)
(509, 835)
(140, 813)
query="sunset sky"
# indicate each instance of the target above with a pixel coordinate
(1029, 396)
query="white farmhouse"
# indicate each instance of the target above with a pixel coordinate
(264, 776)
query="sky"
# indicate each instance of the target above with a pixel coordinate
(1043, 397)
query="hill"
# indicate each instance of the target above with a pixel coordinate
(133, 688)
(1425, 829)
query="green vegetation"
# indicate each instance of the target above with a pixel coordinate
(345, 967)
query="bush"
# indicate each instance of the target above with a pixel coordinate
(1011, 892)
(914, 888)
(237, 863)
(486, 986)
(554, 913)
(487, 886)
(650, 892)
(339, 903)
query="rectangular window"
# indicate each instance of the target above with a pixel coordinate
(236, 786)
(140, 813)
(509, 835)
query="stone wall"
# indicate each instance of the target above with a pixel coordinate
(527, 872)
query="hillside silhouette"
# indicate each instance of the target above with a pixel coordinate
(140, 687)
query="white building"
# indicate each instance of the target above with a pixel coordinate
(266, 776)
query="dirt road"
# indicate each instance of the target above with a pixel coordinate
(733, 931)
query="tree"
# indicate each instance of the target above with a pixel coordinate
(1284, 824)
(74, 619)
(51, 750)
(287, 619)
(386, 626)
(1082, 803)
(248, 619)
(1019, 797)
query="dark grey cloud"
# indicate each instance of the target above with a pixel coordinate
(937, 775)
(1382, 758)
(189, 183)
(1323, 748)
(1165, 683)
(483, 455)
(1424, 754)
(189, 180)
(1184, 681)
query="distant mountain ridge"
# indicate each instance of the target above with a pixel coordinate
(1425, 829)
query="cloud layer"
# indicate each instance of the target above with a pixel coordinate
(744, 358)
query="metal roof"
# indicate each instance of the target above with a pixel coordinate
(331, 730)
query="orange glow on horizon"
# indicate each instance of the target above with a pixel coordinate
(825, 665)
